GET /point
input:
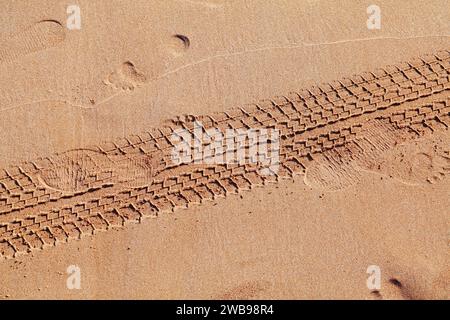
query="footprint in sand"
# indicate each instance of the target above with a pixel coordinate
(178, 45)
(84, 169)
(412, 164)
(126, 77)
(123, 78)
(425, 161)
(37, 37)
(422, 162)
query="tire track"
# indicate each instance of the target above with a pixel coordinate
(76, 193)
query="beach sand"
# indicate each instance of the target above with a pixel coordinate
(364, 165)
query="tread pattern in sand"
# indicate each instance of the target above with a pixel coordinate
(354, 120)
(39, 36)
(384, 146)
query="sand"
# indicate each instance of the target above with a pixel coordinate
(359, 120)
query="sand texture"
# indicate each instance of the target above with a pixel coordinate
(317, 148)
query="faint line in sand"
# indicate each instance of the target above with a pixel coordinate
(70, 104)
(292, 46)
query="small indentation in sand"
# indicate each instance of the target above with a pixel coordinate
(377, 295)
(126, 77)
(395, 282)
(179, 44)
